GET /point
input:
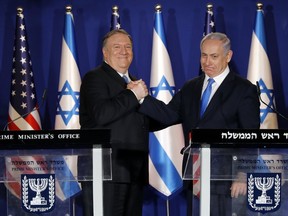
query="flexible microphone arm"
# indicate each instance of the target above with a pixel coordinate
(27, 113)
(259, 95)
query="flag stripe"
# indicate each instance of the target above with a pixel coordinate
(159, 27)
(260, 29)
(69, 34)
(168, 172)
(68, 185)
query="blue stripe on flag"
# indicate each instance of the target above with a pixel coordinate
(260, 29)
(164, 165)
(66, 180)
(69, 34)
(159, 28)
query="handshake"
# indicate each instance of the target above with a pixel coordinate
(139, 88)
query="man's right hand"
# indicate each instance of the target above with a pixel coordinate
(139, 88)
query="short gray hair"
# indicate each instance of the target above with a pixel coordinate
(218, 36)
(113, 32)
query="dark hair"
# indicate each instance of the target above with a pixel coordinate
(113, 32)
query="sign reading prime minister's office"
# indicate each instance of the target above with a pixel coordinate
(54, 139)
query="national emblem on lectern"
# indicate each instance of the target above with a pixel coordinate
(264, 192)
(38, 192)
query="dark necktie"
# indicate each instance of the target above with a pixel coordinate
(125, 78)
(206, 96)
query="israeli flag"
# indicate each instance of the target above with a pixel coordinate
(67, 113)
(165, 160)
(259, 70)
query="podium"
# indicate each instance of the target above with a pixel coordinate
(42, 171)
(253, 160)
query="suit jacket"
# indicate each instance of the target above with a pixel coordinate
(235, 105)
(106, 103)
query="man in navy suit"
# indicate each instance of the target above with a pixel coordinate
(233, 104)
(107, 101)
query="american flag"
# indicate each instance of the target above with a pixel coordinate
(23, 106)
(115, 18)
(209, 20)
(209, 27)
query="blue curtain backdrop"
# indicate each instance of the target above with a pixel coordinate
(184, 24)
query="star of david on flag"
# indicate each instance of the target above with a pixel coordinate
(67, 94)
(266, 95)
(162, 86)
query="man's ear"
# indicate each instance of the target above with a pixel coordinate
(229, 56)
(104, 52)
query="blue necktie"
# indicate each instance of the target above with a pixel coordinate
(125, 78)
(206, 96)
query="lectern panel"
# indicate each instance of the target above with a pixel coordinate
(238, 172)
(38, 176)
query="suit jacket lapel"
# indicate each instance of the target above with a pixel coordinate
(113, 74)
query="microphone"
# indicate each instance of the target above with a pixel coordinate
(185, 148)
(259, 96)
(27, 113)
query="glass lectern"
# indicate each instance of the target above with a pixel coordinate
(253, 161)
(41, 171)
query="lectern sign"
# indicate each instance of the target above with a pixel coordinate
(38, 192)
(264, 192)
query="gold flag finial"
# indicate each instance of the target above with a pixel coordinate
(158, 8)
(209, 6)
(68, 8)
(259, 6)
(19, 10)
(115, 8)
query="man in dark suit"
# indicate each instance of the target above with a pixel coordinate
(233, 103)
(107, 101)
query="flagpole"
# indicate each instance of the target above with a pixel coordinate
(167, 207)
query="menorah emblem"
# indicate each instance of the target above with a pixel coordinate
(44, 186)
(267, 184)
(264, 192)
(38, 185)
